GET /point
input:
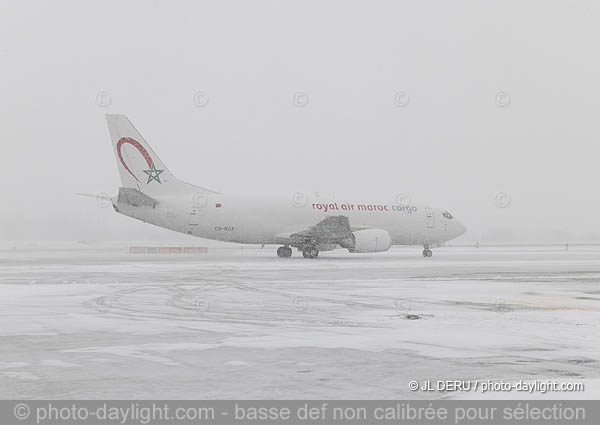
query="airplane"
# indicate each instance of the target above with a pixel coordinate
(150, 193)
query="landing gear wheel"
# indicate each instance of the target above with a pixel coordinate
(284, 252)
(310, 252)
(427, 252)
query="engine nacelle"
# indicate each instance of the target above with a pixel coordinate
(368, 240)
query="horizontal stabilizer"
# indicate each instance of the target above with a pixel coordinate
(135, 198)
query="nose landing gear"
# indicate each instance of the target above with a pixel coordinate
(427, 252)
(284, 252)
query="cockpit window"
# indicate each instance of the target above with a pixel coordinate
(447, 215)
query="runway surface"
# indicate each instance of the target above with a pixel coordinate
(80, 321)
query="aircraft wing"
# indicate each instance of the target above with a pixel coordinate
(331, 230)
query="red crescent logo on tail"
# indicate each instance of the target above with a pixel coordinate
(139, 147)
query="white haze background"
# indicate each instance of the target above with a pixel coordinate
(452, 146)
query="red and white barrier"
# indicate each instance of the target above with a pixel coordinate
(168, 250)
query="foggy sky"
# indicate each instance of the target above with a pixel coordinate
(494, 97)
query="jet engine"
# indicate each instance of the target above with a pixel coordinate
(368, 240)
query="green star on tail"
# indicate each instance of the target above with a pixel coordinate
(153, 174)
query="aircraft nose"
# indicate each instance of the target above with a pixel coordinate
(459, 228)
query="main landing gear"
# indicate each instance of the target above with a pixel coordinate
(284, 252)
(310, 251)
(427, 252)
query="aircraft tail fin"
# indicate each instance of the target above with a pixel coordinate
(139, 167)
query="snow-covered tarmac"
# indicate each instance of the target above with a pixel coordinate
(98, 322)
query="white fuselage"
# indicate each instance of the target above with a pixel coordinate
(271, 221)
